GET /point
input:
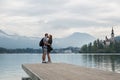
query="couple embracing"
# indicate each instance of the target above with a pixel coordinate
(46, 44)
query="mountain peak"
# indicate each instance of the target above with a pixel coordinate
(78, 34)
(2, 32)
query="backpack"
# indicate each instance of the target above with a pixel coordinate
(41, 43)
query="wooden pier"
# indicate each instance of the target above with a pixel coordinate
(63, 71)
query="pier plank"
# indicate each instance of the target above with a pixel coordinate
(63, 71)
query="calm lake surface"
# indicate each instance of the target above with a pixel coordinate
(10, 64)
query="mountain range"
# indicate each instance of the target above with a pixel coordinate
(15, 41)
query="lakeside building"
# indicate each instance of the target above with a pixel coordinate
(107, 40)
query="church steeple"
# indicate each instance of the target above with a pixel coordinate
(112, 31)
(112, 35)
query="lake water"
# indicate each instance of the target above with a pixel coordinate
(10, 64)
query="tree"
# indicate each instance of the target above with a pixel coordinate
(95, 45)
(98, 47)
(84, 49)
(90, 47)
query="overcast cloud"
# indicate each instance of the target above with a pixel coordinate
(60, 17)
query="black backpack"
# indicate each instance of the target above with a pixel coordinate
(41, 43)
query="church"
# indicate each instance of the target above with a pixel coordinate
(110, 40)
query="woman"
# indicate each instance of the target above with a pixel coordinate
(49, 48)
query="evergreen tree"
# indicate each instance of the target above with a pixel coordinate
(84, 49)
(90, 47)
(99, 47)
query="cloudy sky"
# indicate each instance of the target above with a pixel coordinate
(60, 17)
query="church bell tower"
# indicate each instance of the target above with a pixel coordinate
(112, 35)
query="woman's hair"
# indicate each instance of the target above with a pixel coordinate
(50, 36)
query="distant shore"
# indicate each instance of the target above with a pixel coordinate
(31, 50)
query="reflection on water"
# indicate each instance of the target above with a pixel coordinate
(10, 65)
(104, 62)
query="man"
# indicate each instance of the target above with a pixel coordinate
(44, 48)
